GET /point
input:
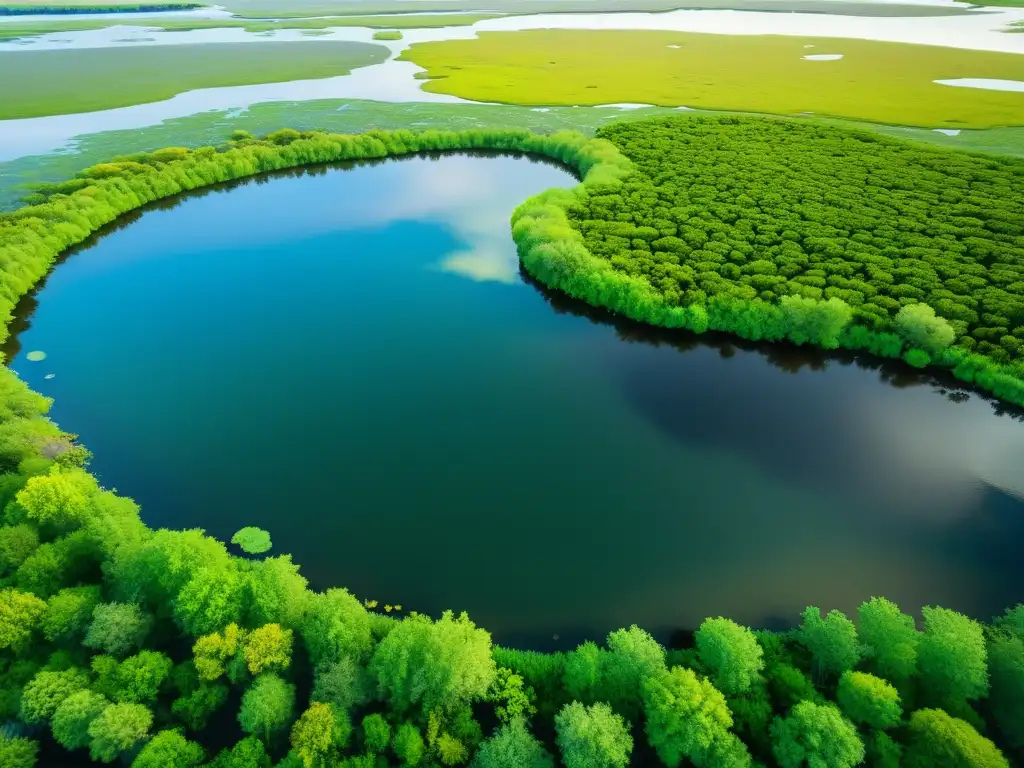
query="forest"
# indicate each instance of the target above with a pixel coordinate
(162, 648)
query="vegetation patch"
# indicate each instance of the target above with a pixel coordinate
(134, 643)
(63, 82)
(880, 82)
(86, 6)
(253, 540)
(391, 34)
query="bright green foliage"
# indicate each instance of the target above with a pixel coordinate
(512, 746)
(169, 749)
(376, 733)
(342, 684)
(1012, 621)
(788, 685)
(195, 707)
(60, 563)
(450, 751)
(592, 737)
(139, 677)
(1006, 667)
(268, 648)
(47, 690)
(582, 672)
(634, 656)
(408, 744)
(69, 612)
(17, 542)
(951, 657)
(919, 327)
(685, 716)
(832, 641)
(117, 628)
(336, 625)
(74, 715)
(248, 753)
(59, 499)
(267, 706)
(17, 752)
(277, 592)
(883, 752)
(511, 699)
(940, 741)
(117, 729)
(253, 540)
(318, 733)
(20, 613)
(869, 700)
(435, 665)
(210, 599)
(212, 652)
(889, 639)
(731, 653)
(816, 735)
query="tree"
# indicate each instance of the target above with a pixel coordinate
(685, 716)
(17, 752)
(634, 656)
(1006, 667)
(512, 699)
(195, 707)
(342, 684)
(336, 625)
(117, 729)
(74, 715)
(918, 325)
(17, 542)
(869, 700)
(890, 639)
(582, 673)
(212, 598)
(731, 653)
(832, 641)
(936, 739)
(117, 628)
(592, 737)
(512, 746)
(60, 498)
(47, 690)
(169, 749)
(408, 744)
(816, 735)
(951, 657)
(212, 652)
(267, 706)
(815, 321)
(20, 613)
(247, 753)
(436, 665)
(69, 612)
(318, 733)
(376, 733)
(139, 677)
(277, 593)
(269, 647)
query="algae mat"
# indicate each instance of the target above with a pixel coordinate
(66, 82)
(880, 82)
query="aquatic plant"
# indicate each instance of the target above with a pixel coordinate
(252, 540)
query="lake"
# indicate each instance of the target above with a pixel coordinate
(352, 360)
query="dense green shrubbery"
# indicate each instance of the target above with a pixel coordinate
(140, 645)
(774, 229)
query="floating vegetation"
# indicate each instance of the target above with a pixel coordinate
(253, 540)
(36, 356)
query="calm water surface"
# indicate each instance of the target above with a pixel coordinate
(351, 360)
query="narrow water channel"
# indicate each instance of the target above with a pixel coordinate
(352, 360)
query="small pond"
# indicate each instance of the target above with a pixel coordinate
(352, 360)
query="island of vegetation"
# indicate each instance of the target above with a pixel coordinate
(162, 650)
(387, 34)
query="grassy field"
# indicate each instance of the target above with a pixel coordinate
(64, 82)
(387, 34)
(879, 82)
(14, 30)
(355, 116)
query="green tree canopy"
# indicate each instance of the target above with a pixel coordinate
(869, 700)
(267, 706)
(592, 737)
(889, 638)
(17, 752)
(60, 498)
(936, 739)
(731, 653)
(319, 733)
(1006, 667)
(376, 733)
(74, 715)
(408, 744)
(117, 628)
(816, 735)
(212, 598)
(336, 625)
(17, 542)
(832, 641)
(512, 746)
(69, 612)
(47, 690)
(918, 325)
(117, 729)
(342, 684)
(952, 659)
(20, 613)
(268, 648)
(169, 749)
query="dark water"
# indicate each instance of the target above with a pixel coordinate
(352, 361)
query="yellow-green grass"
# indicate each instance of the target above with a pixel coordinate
(63, 82)
(387, 34)
(880, 82)
(12, 30)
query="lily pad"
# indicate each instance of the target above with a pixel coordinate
(253, 540)
(35, 356)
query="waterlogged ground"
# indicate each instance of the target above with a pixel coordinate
(351, 360)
